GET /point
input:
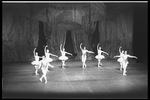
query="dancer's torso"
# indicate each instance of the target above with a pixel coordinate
(84, 53)
(36, 58)
(99, 52)
(47, 55)
(125, 57)
(63, 53)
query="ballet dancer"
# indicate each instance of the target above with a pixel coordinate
(125, 61)
(44, 67)
(99, 57)
(84, 51)
(36, 63)
(47, 55)
(63, 58)
(120, 59)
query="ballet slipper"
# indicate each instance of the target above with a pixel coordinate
(36, 74)
(45, 81)
(40, 79)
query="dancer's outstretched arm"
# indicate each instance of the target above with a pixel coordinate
(89, 51)
(105, 52)
(81, 47)
(69, 53)
(132, 56)
(53, 55)
(117, 56)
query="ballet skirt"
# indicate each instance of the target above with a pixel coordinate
(84, 58)
(99, 57)
(120, 59)
(63, 58)
(35, 63)
(49, 59)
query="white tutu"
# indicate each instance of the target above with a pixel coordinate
(63, 58)
(120, 59)
(35, 63)
(49, 59)
(84, 58)
(99, 57)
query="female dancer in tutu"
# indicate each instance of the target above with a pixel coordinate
(84, 51)
(44, 67)
(63, 58)
(125, 61)
(99, 57)
(120, 59)
(47, 55)
(36, 63)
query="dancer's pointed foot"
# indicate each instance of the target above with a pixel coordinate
(101, 64)
(45, 81)
(125, 74)
(48, 70)
(52, 66)
(121, 69)
(36, 74)
(40, 79)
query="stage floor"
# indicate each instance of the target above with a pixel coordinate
(19, 80)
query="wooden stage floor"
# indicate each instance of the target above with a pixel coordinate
(19, 80)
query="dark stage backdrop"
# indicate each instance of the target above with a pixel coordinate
(140, 34)
(114, 27)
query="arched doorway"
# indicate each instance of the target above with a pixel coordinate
(69, 45)
(42, 40)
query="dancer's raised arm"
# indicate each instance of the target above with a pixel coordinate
(61, 47)
(81, 47)
(45, 49)
(120, 50)
(34, 51)
(97, 46)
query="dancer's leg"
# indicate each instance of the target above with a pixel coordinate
(36, 70)
(124, 68)
(98, 62)
(63, 64)
(121, 66)
(83, 64)
(45, 77)
(41, 78)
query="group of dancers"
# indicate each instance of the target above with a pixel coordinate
(123, 60)
(46, 60)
